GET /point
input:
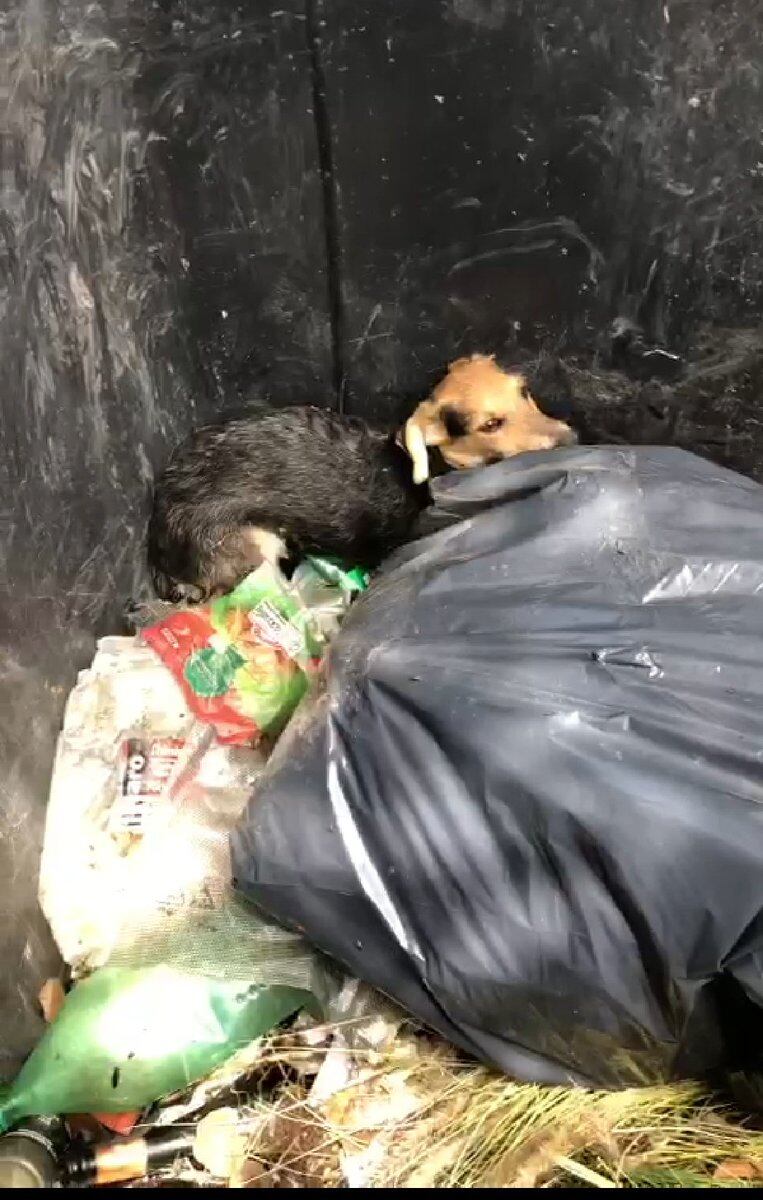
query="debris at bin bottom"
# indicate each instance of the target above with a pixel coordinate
(359, 1101)
(173, 976)
(418, 1115)
(368, 1101)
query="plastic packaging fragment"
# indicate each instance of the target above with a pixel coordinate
(135, 867)
(125, 1038)
(135, 880)
(349, 579)
(244, 660)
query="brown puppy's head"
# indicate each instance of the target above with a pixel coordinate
(480, 414)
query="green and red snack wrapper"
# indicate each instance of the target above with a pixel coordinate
(244, 660)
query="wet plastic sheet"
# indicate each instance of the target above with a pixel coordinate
(529, 805)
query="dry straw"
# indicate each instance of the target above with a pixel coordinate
(419, 1118)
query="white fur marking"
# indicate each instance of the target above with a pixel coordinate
(268, 544)
(416, 446)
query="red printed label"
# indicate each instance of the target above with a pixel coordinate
(146, 766)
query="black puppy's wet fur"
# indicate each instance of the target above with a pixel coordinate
(324, 483)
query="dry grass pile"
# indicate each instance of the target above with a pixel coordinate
(417, 1117)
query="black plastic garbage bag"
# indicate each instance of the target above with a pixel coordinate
(529, 805)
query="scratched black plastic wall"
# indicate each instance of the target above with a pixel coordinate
(515, 173)
(162, 258)
(206, 203)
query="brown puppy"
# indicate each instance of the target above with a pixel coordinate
(480, 414)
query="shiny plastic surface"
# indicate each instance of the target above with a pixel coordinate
(529, 805)
(126, 1037)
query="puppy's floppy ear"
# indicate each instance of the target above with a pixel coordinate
(423, 429)
(415, 443)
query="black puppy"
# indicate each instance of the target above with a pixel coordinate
(289, 482)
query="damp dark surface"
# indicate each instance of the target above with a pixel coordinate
(204, 205)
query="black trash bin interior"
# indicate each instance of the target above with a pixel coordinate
(207, 204)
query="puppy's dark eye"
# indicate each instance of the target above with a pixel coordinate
(492, 425)
(455, 423)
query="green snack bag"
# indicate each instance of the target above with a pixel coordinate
(126, 1037)
(243, 660)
